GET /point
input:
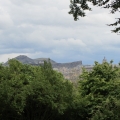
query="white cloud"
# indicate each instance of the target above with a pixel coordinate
(43, 28)
(5, 19)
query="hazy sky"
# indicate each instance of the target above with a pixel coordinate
(43, 28)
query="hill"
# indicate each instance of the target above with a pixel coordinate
(70, 70)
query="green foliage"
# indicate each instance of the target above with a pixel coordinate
(101, 88)
(78, 7)
(32, 92)
(40, 93)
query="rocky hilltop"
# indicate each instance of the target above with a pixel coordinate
(26, 60)
(70, 70)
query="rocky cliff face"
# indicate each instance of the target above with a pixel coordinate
(70, 70)
(26, 60)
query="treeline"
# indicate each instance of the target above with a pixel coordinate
(41, 93)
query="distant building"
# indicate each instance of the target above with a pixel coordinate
(104, 60)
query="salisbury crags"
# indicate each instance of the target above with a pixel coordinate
(70, 70)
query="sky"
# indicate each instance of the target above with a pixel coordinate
(44, 29)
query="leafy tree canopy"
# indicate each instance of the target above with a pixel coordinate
(40, 93)
(33, 92)
(101, 89)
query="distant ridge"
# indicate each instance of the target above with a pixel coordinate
(26, 60)
(68, 65)
(41, 60)
(70, 70)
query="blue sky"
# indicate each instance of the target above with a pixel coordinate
(43, 28)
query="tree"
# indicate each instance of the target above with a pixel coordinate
(14, 89)
(100, 88)
(33, 92)
(78, 7)
(50, 95)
